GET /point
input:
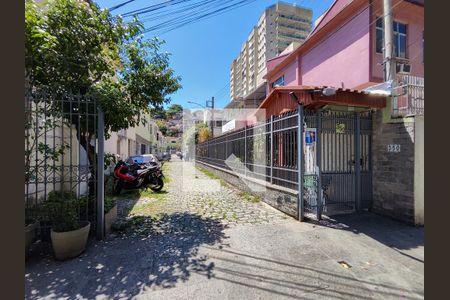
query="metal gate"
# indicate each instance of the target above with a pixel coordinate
(337, 175)
(63, 159)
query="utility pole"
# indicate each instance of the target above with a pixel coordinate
(212, 116)
(389, 60)
(210, 104)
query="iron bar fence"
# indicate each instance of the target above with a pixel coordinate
(250, 151)
(412, 103)
(60, 156)
(336, 162)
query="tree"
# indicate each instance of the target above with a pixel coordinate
(174, 109)
(74, 46)
(162, 126)
(158, 113)
(203, 133)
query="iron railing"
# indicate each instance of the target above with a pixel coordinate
(60, 155)
(249, 151)
(412, 102)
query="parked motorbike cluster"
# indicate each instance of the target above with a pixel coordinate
(142, 171)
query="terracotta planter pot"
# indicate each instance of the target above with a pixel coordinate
(30, 234)
(110, 218)
(70, 244)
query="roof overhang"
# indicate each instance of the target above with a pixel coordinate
(312, 97)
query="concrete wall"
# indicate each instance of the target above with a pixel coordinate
(419, 169)
(284, 200)
(393, 173)
(343, 57)
(290, 73)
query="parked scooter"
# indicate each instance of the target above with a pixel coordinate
(135, 176)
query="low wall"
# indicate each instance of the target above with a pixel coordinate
(419, 171)
(283, 199)
(393, 172)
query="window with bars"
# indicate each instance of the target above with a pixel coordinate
(399, 41)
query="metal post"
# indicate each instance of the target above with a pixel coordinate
(100, 176)
(245, 150)
(226, 149)
(390, 69)
(212, 117)
(319, 163)
(300, 164)
(389, 62)
(358, 161)
(271, 148)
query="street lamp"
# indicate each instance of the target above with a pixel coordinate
(191, 102)
(204, 107)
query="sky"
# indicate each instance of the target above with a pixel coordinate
(202, 52)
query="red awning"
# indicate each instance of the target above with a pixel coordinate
(312, 97)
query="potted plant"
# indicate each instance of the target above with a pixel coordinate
(110, 213)
(68, 234)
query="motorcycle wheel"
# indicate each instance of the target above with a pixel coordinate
(158, 186)
(117, 187)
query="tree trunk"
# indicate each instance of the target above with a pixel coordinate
(92, 158)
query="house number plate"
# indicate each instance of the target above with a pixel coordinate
(393, 148)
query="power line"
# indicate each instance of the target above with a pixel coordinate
(175, 24)
(177, 19)
(173, 12)
(154, 7)
(120, 5)
(178, 16)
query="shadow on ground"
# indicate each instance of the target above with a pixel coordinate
(129, 264)
(282, 278)
(389, 232)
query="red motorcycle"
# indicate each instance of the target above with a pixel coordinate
(137, 175)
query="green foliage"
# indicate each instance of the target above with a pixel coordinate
(202, 132)
(249, 197)
(110, 159)
(61, 209)
(110, 202)
(72, 45)
(174, 109)
(158, 113)
(162, 126)
(213, 176)
(40, 120)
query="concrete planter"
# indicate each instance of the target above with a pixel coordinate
(110, 218)
(30, 234)
(70, 244)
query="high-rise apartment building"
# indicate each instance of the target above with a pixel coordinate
(279, 26)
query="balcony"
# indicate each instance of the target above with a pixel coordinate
(411, 101)
(294, 19)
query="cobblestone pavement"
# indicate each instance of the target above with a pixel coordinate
(186, 244)
(191, 190)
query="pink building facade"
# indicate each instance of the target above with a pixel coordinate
(342, 50)
(345, 51)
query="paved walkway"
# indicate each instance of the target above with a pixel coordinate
(188, 244)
